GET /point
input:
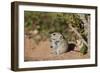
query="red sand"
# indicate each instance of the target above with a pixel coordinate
(42, 52)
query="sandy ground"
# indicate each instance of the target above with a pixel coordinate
(42, 52)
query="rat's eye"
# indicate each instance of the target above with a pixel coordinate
(54, 34)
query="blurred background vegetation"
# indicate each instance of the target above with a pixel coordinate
(39, 25)
(42, 23)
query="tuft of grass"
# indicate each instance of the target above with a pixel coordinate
(83, 50)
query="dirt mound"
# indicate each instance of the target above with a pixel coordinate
(42, 51)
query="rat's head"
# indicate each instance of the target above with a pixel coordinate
(55, 39)
(56, 36)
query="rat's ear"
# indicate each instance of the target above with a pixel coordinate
(61, 37)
